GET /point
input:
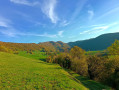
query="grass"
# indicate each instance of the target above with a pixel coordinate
(96, 52)
(21, 73)
(36, 55)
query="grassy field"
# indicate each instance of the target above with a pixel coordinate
(36, 55)
(21, 73)
(96, 52)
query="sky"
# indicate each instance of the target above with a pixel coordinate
(34, 21)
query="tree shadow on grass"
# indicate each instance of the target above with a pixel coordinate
(44, 60)
(85, 81)
(92, 85)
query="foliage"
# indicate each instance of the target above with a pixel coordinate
(30, 47)
(77, 52)
(56, 46)
(113, 71)
(79, 66)
(63, 60)
(4, 49)
(49, 59)
(114, 48)
(96, 67)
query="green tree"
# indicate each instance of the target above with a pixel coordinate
(114, 48)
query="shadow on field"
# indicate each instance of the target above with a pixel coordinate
(44, 60)
(90, 84)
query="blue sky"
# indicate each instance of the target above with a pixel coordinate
(33, 21)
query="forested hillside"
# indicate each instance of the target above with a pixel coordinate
(30, 47)
(59, 45)
(99, 43)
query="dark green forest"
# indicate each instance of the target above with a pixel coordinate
(99, 43)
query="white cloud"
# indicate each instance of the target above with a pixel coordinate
(8, 28)
(45, 35)
(13, 33)
(4, 22)
(60, 33)
(91, 14)
(108, 13)
(48, 8)
(96, 29)
(64, 23)
(78, 9)
(7, 32)
(25, 2)
(99, 28)
(10, 31)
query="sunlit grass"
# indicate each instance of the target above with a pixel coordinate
(20, 73)
(36, 55)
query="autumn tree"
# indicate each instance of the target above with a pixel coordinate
(78, 62)
(77, 52)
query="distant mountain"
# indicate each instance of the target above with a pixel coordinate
(58, 46)
(99, 43)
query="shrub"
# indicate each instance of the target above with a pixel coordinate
(63, 60)
(4, 49)
(79, 66)
(49, 59)
(96, 67)
(77, 52)
(113, 71)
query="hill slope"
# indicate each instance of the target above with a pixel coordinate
(17, 72)
(99, 43)
(58, 46)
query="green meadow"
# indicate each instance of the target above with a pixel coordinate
(35, 55)
(23, 73)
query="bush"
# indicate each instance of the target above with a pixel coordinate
(63, 60)
(4, 49)
(49, 59)
(77, 52)
(113, 71)
(96, 67)
(79, 66)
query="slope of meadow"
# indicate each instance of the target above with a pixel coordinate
(21, 73)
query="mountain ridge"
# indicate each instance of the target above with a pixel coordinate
(99, 43)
